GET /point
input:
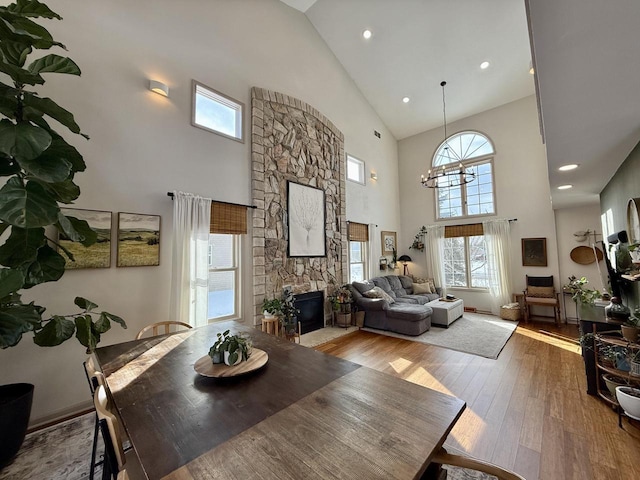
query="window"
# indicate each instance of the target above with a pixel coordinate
(475, 152)
(223, 276)
(355, 170)
(358, 234)
(465, 256)
(216, 112)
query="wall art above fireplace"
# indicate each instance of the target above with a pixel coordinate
(305, 206)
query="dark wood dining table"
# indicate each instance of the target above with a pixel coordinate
(305, 414)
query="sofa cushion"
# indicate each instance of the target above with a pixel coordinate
(406, 282)
(363, 286)
(412, 313)
(383, 283)
(543, 292)
(377, 292)
(421, 299)
(421, 288)
(396, 285)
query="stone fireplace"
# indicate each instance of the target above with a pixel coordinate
(292, 141)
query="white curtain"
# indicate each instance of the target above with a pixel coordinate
(190, 266)
(497, 237)
(434, 245)
(374, 251)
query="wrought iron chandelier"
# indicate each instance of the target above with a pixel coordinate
(447, 176)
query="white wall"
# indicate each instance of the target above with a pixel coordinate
(569, 221)
(521, 182)
(142, 145)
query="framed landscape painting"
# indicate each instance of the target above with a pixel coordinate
(97, 255)
(534, 252)
(306, 221)
(138, 240)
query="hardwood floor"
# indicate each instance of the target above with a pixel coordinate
(527, 411)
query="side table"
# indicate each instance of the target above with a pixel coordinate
(271, 325)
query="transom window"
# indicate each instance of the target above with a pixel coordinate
(475, 151)
(216, 112)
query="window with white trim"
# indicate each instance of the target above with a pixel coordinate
(224, 276)
(357, 261)
(216, 112)
(355, 170)
(475, 152)
(465, 262)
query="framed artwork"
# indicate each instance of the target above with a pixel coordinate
(388, 241)
(307, 237)
(534, 252)
(97, 255)
(138, 240)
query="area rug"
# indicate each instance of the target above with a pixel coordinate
(324, 335)
(63, 452)
(482, 335)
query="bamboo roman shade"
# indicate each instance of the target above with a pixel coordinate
(358, 232)
(228, 218)
(470, 230)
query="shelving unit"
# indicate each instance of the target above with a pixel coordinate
(602, 340)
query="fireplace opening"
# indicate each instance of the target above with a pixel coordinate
(311, 306)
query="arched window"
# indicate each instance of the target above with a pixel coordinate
(475, 151)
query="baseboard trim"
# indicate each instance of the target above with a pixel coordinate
(60, 416)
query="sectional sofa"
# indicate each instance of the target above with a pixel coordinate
(403, 311)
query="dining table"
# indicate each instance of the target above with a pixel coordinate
(304, 414)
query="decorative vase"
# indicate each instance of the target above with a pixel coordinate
(217, 357)
(226, 357)
(15, 409)
(629, 400)
(630, 333)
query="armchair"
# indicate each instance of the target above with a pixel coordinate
(541, 292)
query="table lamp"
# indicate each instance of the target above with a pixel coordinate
(404, 259)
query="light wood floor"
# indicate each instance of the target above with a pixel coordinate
(527, 411)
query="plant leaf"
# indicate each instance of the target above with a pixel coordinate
(84, 334)
(20, 75)
(15, 52)
(8, 167)
(27, 206)
(77, 230)
(115, 318)
(21, 247)
(32, 8)
(63, 192)
(22, 141)
(56, 330)
(48, 267)
(51, 108)
(47, 169)
(60, 149)
(102, 325)
(84, 304)
(54, 63)
(16, 320)
(10, 281)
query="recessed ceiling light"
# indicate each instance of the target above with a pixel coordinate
(367, 34)
(484, 65)
(565, 187)
(566, 168)
(406, 99)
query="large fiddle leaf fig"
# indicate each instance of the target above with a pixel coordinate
(40, 166)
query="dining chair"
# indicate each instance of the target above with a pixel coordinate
(95, 379)
(165, 326)
(445, 458)
(540, 292)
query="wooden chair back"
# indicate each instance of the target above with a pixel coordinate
(112, 424)
(162, 328)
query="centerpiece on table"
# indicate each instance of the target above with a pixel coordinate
(231, 349)
(231, 355)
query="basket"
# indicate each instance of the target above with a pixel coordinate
(510, 312)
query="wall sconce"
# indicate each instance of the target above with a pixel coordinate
(374, 176)
(159, 88)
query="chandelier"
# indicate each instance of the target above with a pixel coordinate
(447, 176)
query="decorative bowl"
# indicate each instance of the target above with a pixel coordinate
(629, 400)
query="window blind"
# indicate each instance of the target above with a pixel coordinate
(470, 230)
(358, 232)
(228, 218)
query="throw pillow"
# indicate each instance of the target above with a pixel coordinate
(432, 284)
(540, 292)
(419, 280)
(363, 287)
(377, 292)
(421, 288)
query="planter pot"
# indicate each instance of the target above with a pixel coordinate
(629, 400)
(635, 368)
(612, 382)
(15, 408)
(217, 357)
(226, 358)
(630, 333)
(360, 319)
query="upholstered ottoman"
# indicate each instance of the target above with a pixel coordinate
(408, 319)
(445, 313)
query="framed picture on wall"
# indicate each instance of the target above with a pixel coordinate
(534, 252)
(138, 240)
(388, 241)
(97, 255)
(306, 210)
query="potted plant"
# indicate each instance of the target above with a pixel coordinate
(289, 312)
(272, 308)
(584, 297)
(418, 240)
(215, 352)
(631, 328)
(234, 348)
(629, 399)
(39, 167)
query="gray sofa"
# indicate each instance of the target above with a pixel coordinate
(407, 314)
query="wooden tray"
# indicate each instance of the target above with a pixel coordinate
(206, 368)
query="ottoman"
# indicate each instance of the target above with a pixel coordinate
(445, 313)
